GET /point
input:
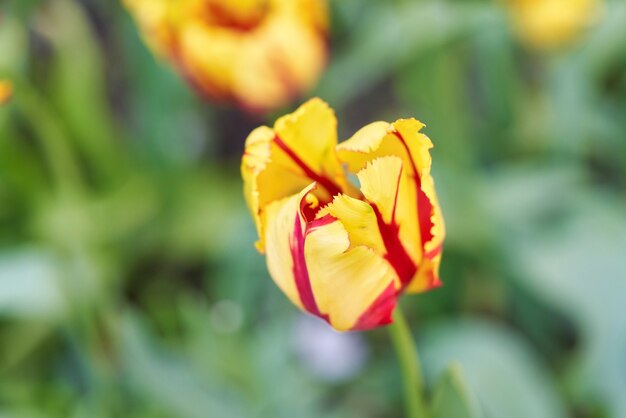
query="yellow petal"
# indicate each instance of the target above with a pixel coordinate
(300, 150)
(355, 287)
(313, 262)
(427, 276)
(363, 146)
(429, 216)
(312, 12)
(417, 213)
(254, 161)
(359, 219)
(152, 17)
(282, 223)
(208, 56)
(380, 183)
(308, 138)
(284, 59)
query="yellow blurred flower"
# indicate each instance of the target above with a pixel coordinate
(259, 54)
(339, 252)
(546, 24)
(6, 91)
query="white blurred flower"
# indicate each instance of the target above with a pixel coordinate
(328, 354)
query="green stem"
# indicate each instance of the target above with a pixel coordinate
(410, 365)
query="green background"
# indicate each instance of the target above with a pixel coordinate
(129, 285)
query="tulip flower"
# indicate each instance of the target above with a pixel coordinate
(6, 91)
(341, 252)
(259, 54)
(546, 24)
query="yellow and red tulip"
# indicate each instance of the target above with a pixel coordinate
(546, 24)
(341, 252)
(259, 54)
(6, 91)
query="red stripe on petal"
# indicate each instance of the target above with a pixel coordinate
(433, 281)
(300, 269)
(379, 312)
(395, 198)
(434, 252)
(396, 254)
(325, 182)
(424, 205)
(318, 223)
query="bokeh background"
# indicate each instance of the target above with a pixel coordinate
(129, 285)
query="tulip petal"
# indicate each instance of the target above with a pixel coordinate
(429, 215)
(287, 57)
(381, 182)
(152, 18)
(284, 232)
(308, 138)
(362, 224)
(280, 162)
(207, 57)
(354, 287)
(417, 213)
(313, 261)
(359, 219)
(364, 146)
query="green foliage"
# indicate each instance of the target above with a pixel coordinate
(451, 398)
(505, 376)
(123, 230)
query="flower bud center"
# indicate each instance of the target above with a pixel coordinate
(309, 207)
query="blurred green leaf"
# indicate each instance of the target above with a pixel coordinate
(13, 52)
(171, 127)
(604, 46)
(451, 398)
(580, 268)
(575, 81)
(13, 45)
(529, 198)
(171, 382)
(253, 362)
(501, 370)
(78, 84)
(393, 33)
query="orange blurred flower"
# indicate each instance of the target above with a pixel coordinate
(259, 54)
(6, 91)
(339, 252)
(546, 24)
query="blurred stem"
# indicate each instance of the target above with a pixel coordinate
(409, 364)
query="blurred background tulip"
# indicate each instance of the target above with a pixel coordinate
(129, 285)
(547, 24)
(258, 54)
